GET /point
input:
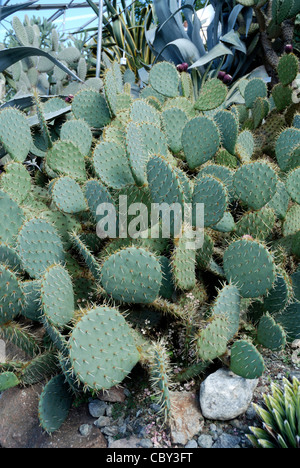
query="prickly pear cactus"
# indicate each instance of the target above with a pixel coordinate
(132, 214)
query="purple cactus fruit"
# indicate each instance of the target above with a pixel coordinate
(182, 67)
(185, 66)
(221, 75)
(227, 79)
(69, 98)
(288, 48)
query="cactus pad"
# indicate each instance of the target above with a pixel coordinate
(32, 308)
(255, 184)
(57, 296)
(79, 133)
(12, 299)
(293, 185)
(212, 94)
(184, 261)
(68, 196)
(246, 361)
(250, 266)
(90, 106)
(270, 334)
(228, 303)
(287, 68)
(39, 246)
(16, 181)
(15, 134)
(290, 321)
(102, 349)
(164, 78)
(132, 276)
(54, 404)
(65, 158)
(200, 141)
(173, 121)
(286, 149)
(111, 165)
(12, 218)
(212, 340)
(213, 194)
(254, 89)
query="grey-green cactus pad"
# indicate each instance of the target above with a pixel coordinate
(39, 246)
(212, 193)
(102, 349)
(11, 218)
(200, 141)
(164, 78)
(111, 165)
(68, 196)
(255, 184)
(57, 296)
(12, 299)
(246, 361)
(15, 134)
(54, 404)
(91, 106)
(250, 266)
(132, 275)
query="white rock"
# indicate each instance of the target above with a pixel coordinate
(225, 396)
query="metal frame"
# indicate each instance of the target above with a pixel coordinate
(61, 9)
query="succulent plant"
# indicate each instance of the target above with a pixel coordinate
(280, 417)
(107, 156)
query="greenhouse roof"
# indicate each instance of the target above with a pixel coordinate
(70, 16)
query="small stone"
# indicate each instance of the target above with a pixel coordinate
(236, 424)
(110, 430)
(295, 374)
(113, 395)
(155, 408)
(191, 444)
(123, 429)
(102, 422)
(205, 441)
(109, 411)
(97, 408)
(227, 441)
(225, 396)
(132, 442)
(250, 413)
(85, 430)
(129, 428)
(145, 443)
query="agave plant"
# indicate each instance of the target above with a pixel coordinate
(280, 418)
(8, 10)
(222, 44)
(124, 34)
